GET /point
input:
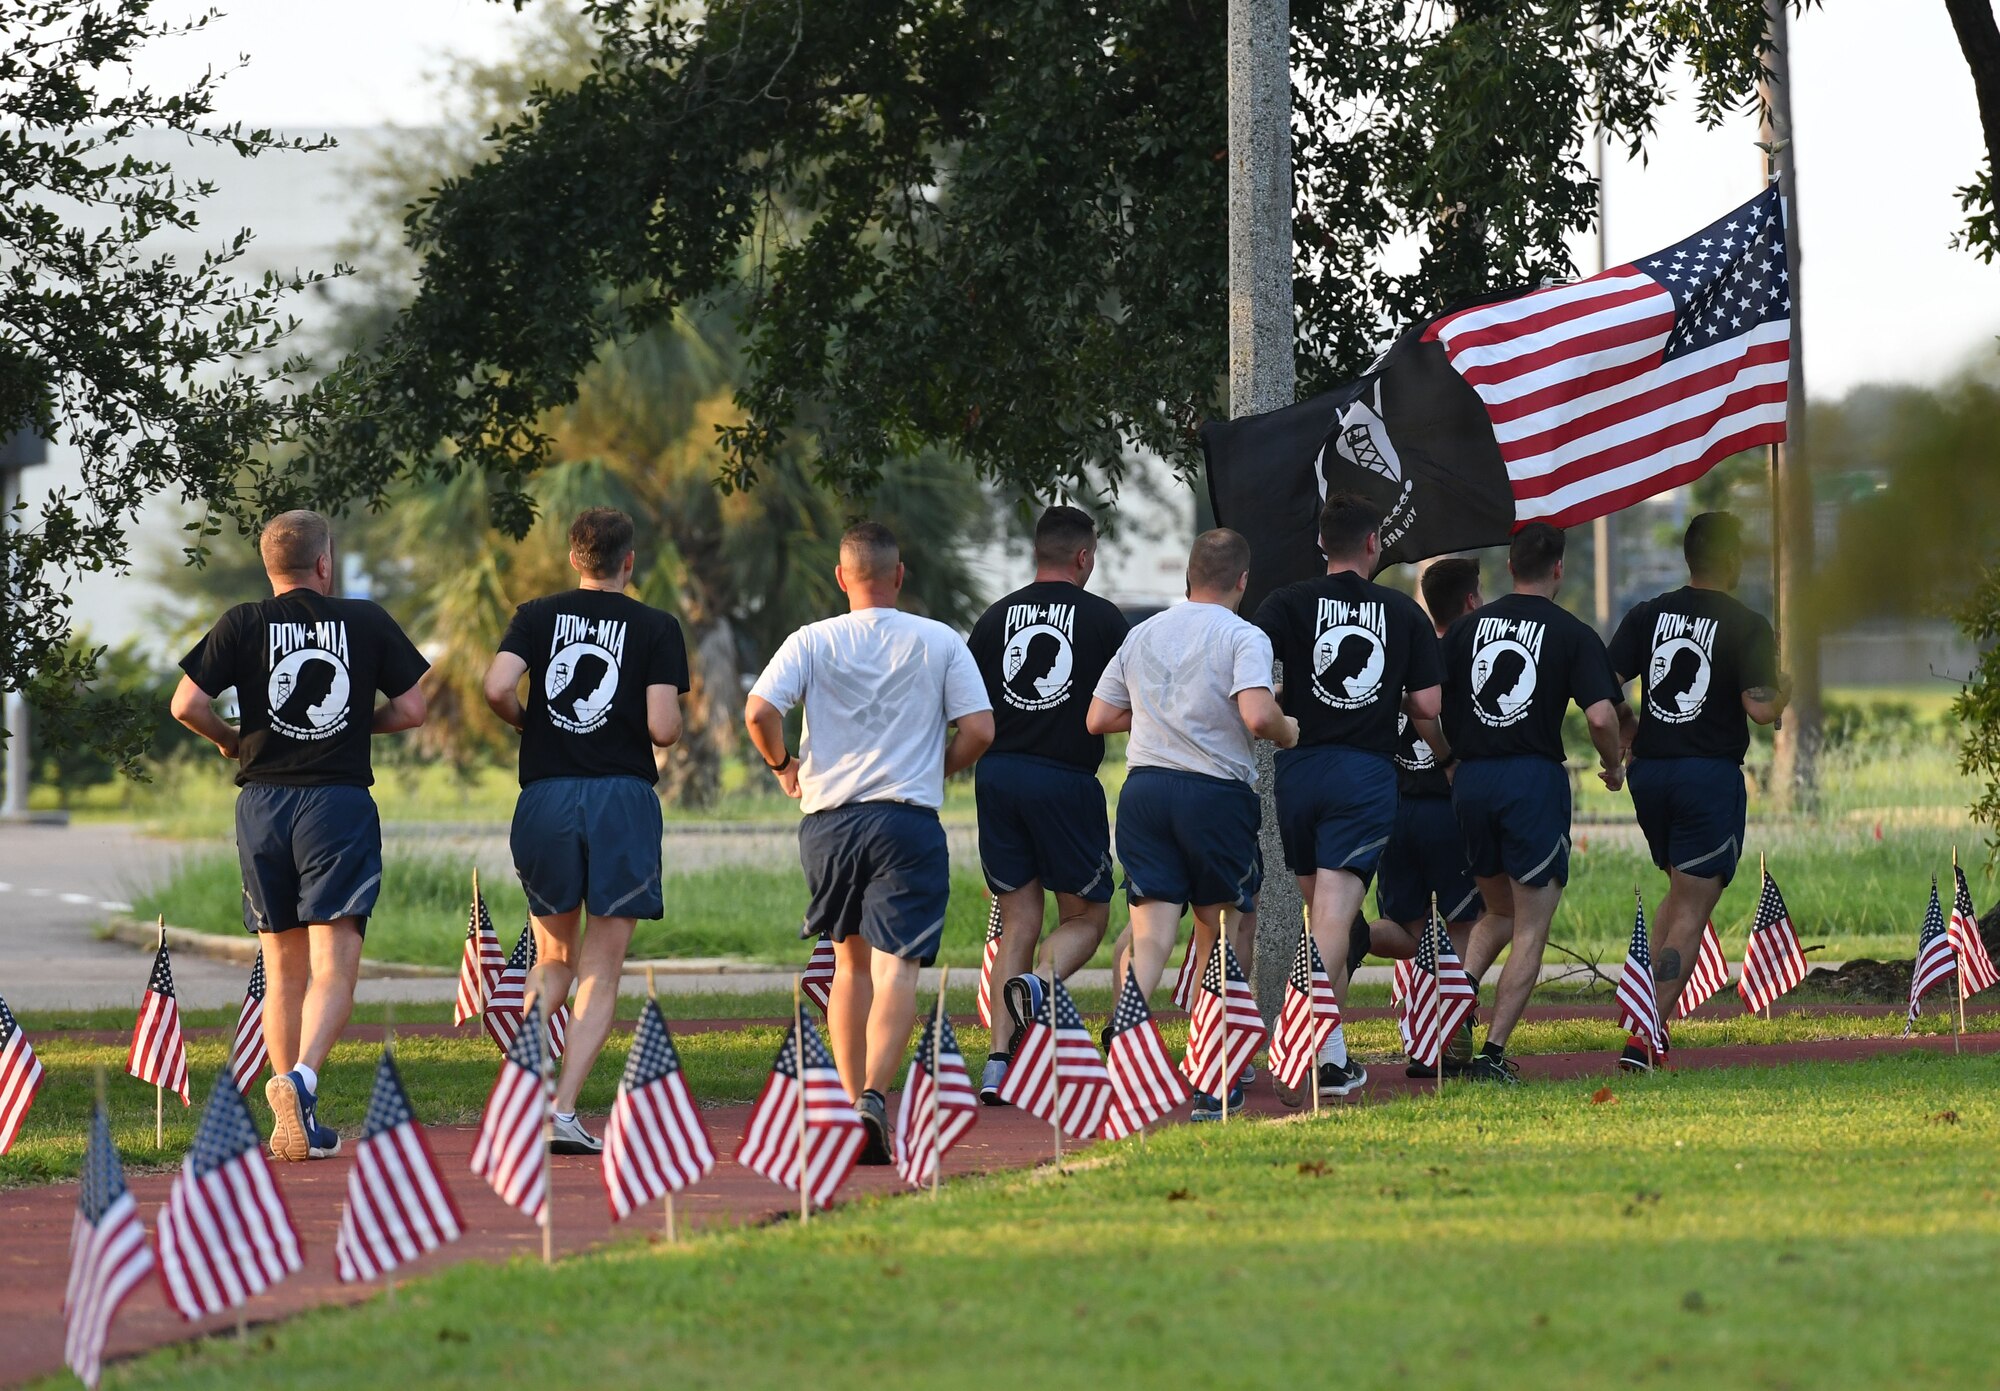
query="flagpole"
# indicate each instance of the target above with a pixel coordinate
(1959, 1029)
(937, 1078)
(1055, 1061)
(1437, 981)
(159, 1089)
(533, 991)
(653, 994)
(1222, 1079)
(1763, 873)
(799, 1046)
(1306, 920)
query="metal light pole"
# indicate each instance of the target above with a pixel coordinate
(1262, 374)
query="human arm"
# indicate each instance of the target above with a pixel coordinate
(1263, 717)
(663, 715)
(1431, 731)
(503, 688)
(402, 712)
(1105, 718)
(1602, 717)
(971, 736)
(1765, 704)
(1422, 706)
(766, 725)
(1766, 690)
(195, 708)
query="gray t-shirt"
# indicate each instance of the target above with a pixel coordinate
(1179, 673)
(879, 686)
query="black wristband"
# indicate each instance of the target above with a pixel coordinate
(778, 767)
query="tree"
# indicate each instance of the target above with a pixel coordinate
(163, 376)
(1978, 33)
(996, 229)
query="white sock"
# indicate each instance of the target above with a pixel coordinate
(312, 1078)
(566, 1117)
(1334, 1050)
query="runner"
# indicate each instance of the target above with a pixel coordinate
(306, 668)
(1042, 825)
(1704, 662)
(605, 675)
(1357, 656)
(880, 689)
(1511, 670)
(1193, 686)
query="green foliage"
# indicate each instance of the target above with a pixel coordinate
(127, 692)
(997, 229)
(1977, 708)
(159, 372)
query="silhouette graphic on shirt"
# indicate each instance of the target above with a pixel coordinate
(313, 683)
(1350, 660)
(1036, 663)
(1682, 673)
(589, 674)
(1508, 668)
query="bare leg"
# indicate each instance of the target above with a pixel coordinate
(601, 964)
(1242, 938)
(1393, 941)
(1335, 895)
(1021, 912)
(1483, 944)
(847, 1009)
(1683, 914)
(1534, 910)
(891, 1020)
(1155, 925)
(1079, 931)
(287, 971)
(556, 957)
(336, 964)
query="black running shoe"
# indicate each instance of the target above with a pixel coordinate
(1422, 1071)
(1637, 1057)
(1493, 1067)
(874, 1111)
(1335, 1080)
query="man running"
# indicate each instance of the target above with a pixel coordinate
(306, 668)
(1356, 656)
(882, 692)
(1704, 662)
(605, 675)
(1193, 686)
(1511, 669)
(1042, 825)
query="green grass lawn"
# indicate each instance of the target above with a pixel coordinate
(1804, 1226)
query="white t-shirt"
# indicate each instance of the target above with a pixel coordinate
(1179, 673)
(879, 686)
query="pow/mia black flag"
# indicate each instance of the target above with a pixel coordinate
(1411, 435)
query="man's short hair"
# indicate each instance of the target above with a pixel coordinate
(1714, 544)
(1218, 560)
(292, 541)
(868, 551)
(1060, 533)
(1535, 552)
(1347, 520)
(600, 538)
(1447, 584)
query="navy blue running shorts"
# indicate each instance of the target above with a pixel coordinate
(1692, 811)
(1188, 838)
(308, 855)
(589, 843)
(1336, 807)
(880, 869)
(1425, 856)
(1042, 820)
(1514, 816)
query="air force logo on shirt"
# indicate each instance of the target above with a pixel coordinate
(585, 654)
(1683, 660)
(1348, 652)
(1504, 654)
(1037, 660)
(307, 690)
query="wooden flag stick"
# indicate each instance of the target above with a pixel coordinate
(652, 993)
(1222, 1015)
(1958, 1028)
(159, 1090)
(937, 1080)
(1437, 977)
(1055, 1062)
(1306, 915)
(531, 992)
(799, 1046)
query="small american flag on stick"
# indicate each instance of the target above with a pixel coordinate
(987, 958)
(1974, 964)
(1223, 1005)
(247, 1053)
(1710, 973)
(833, 1131)
(655, 1143)
(938, 1086)
(1185, 978)
(225, 1232)
(108, 1254)
(1638, 1001)
(1772, 961)
(159, 1055)
(480, 964)
(511, 1154)
(504, 1006)
(398, 1207)
(1057, 1073)
(20, 1077)
(1308, 1017)
(1935, 959)
(1440, 996)
(1144, 1084)
(817, 983)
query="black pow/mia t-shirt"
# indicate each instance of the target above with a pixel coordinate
(1511, 669)
(1350, 649)
(1417, 770)
(1041, 650)
(1695, 651)
(591, 654)
(306, 670)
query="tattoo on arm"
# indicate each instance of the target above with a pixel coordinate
(1667, 965)
(1763, 695)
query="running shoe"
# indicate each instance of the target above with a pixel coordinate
(990, 1078)
(1246, 1077)
(292, 1107)
(1335, 1080)
(1023, 995)
(571, 1138)
(1207, 1108)
(1637, 1057)
(874, 1109)
(1493, 1067)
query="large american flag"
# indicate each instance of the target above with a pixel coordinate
(225, 1232)
(937, 1095)
(158, 1054)
(817, 982)
(1440, 997)
(1057, 1073)
(1638, 999)
(1309, 1015)
(398, 1207)
(480, 964)
(1144, 1082)
(833, 1131)
(247, 1053)
(108, 1254)
(987, 958)
(1226, 1029)
(655, 1143)
(1772, 961)
(512, 1153)
(1710, 973)
(1974, 964)
(1638, 379)
(20, 1077)
(1935, 958)
(510, 989)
